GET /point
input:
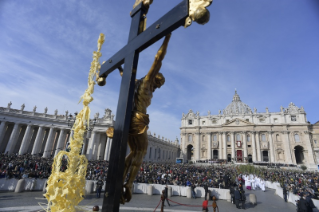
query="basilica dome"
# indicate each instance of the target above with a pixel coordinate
(237, 106)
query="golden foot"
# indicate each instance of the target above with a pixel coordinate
(128, 193)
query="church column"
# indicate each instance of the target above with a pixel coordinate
(90, 147)
(59, 146)
(13, 138)
(3, 127)
(38, 141)
(245, 145)
(220, 143)
(253, 145)
(258, 147)
(26, 140)
(107, 149)
(310, 160)
(225, 145)
(85, 142)
(233, 144)
(287, 147)
(96, 145)
(271, 148)
(209, 140)
(49, 143)
(101, 147)
(197, 155)
(183, 147)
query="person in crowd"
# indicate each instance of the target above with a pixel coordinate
(99, 185)
(193, 186)
(237, 197)
(166, 195)
(284, 192)
(242, 199)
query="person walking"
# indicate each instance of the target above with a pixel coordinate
(310, 205)
(99, 185)
(302, 205)
(242, 199)
(193, 191)
(284, 192)
(237, 197)
(206, 190)
(166, 195)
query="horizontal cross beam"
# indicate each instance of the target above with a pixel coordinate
(165, 25)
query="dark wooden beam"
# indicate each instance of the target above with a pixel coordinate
(165, 25)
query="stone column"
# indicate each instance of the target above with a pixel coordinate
(310, 160)
(101, 147)
(253, 146)
(287, 147)
(26, 140)
(3, 127)
(96, 144)
(225, 145)
(71, 135)
(183, 147)
(197, 152)
(13, 138)
(90, 149)
(232, 145)
(245, 145)
(258, 147)
(106, 154)
(60, 144)
(220, 143)
(109, 150)
(38, 141)
(49, 144)
(209, 140)
(271, 148)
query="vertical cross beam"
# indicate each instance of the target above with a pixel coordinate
(114, 181)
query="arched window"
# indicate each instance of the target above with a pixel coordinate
(190, 137)
(277, 137)
(297, 137)
(238, 137)
(263, 137)
(248, 138)
(214, 137)
(228, 138)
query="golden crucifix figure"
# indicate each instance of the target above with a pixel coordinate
(138, 141)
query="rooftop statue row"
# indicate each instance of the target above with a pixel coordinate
(238, 107)
(107, 114)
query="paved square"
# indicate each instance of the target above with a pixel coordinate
(266, 202)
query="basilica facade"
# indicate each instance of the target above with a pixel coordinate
(240, 134)
(43, 134)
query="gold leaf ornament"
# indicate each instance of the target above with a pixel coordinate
(198, 12)
(66, 187)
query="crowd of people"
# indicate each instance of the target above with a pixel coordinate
(218, 176)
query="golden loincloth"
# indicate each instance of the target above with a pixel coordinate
(139, 123)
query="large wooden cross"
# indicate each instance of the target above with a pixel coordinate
(128, 55)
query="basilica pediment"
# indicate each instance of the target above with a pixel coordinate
(237, 122)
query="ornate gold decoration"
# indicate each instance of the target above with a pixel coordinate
(198, 12)
(66, 189)
(146, 3)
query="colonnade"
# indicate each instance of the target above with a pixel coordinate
(21, 138)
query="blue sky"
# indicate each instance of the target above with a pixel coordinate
(267, 49)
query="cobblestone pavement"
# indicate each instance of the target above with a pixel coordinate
(29, 202)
